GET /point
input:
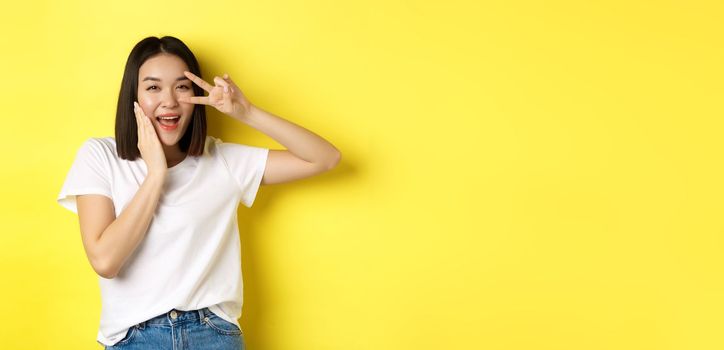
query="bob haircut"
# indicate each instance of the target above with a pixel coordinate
(194, 138)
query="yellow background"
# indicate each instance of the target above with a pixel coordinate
(514, 175)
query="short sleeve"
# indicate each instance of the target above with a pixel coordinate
(89, 174)
(246, 165)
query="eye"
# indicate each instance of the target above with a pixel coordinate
(151, 87)
(184, 86)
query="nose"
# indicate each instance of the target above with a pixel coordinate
(169, 99)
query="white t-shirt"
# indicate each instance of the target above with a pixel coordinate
(190, 257)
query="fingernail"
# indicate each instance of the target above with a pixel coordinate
(226, 89)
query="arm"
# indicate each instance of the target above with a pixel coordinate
(308, 154)
(109, 241)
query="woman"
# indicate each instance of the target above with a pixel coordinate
(157, 204)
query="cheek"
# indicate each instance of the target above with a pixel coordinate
(147, 104)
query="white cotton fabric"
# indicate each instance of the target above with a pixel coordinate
(190, 257)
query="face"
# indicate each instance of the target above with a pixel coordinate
(161, 82)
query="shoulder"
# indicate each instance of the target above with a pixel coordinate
(215, 145)
(233, 146)
(99, 147)
(108, 142)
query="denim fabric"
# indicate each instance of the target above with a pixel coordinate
(182, 330)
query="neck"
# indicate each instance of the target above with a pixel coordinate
(173, 154)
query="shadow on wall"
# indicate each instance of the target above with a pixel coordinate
(256, 284)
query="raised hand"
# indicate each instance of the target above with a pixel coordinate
(148, 143)
(225, 96)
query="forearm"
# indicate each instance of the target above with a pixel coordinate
(298, 140)
(124, 234)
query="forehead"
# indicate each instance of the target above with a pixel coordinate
(163, 66)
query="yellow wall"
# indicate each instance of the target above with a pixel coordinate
(515, 174)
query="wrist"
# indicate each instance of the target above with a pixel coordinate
(244, 117)
(157, 176)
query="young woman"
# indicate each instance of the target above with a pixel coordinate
(157, 204)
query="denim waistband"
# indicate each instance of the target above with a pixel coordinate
(175, 317)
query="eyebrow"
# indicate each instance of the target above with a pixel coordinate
(157, 79)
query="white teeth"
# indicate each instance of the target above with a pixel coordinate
(176, 117)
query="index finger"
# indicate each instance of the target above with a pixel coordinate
(199, 100)
(135, 112)
(198, 81)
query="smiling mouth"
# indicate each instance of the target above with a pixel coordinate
(169, 121)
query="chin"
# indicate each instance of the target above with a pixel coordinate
(167, 143)
(171, 138)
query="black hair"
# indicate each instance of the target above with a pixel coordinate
(194, 138)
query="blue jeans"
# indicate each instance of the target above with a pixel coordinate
(181, 330)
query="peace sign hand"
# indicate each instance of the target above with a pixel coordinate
(225, 96)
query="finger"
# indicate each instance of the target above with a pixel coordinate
(222, 82)
(139, 110)
(227, 98)
(199, 100)
(228, 79)
(232, 85)
(150, 130)
(145, 121)
(138, 120)
(147, 125)
(198, 81)
(142, 129)
(229, 87)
